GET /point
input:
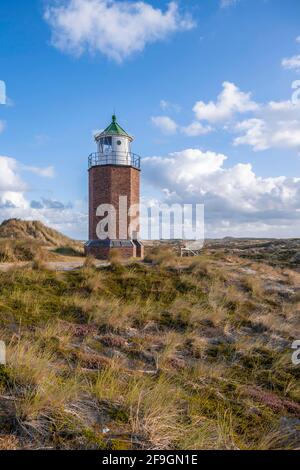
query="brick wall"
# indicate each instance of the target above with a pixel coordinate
(106, 184)
(104, 252)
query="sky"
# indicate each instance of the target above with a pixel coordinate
(210, 89)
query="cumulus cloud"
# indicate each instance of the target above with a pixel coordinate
(261, 136)
(47, 172)
(184, 165)
(230, 102)
(292, 63)
(254, 134)
(165, 124)
(114, 28)
(167, 105)
(277, 125)
(10, 179)
(12, 186)
(195, 129)
(169, 127)
(235, 197)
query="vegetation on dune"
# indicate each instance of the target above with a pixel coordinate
(170, 354)
(275, 252)
(33, 230)
(27, 240)
(19, 250)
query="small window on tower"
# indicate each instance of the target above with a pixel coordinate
(119, 142)
(107, 141)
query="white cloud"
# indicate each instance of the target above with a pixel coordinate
(12, 186)
(186, 165)
(272, 125)
(10, 179)
(114, 28)
(237, 201)
(255, 134)
(277, 125)
(230, 101)
(47, 172)
(14, 203)
(195, 129)
(165, 124)
(291, 63)
(169, 127)
(166, 105)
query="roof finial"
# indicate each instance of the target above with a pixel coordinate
(114, 117)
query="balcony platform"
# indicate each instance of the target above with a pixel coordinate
(115, 158)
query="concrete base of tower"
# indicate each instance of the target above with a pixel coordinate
(103, 249)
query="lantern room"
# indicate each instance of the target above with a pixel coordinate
(114, 145)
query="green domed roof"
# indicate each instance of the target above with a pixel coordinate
(114, 129)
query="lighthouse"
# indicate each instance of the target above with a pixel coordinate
(114, 196)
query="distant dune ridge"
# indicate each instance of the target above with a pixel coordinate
(22, 240)
(33, 230)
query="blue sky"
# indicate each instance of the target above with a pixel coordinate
(205, 85)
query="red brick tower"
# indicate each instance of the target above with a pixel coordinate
(114, 196)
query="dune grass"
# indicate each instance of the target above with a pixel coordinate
(170, 354)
